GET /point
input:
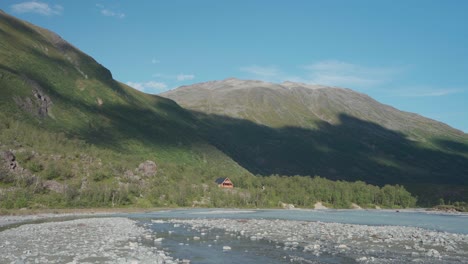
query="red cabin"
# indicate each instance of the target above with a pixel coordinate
(224, 183)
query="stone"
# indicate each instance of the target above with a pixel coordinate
(433, 253)
(311, 247)
(10, 160)
(342, 246)
(148, 168)
(286, 205)
(226, 248)
(54, 186)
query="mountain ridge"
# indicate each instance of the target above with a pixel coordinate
(231, 84)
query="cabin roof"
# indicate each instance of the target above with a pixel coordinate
(221, 180)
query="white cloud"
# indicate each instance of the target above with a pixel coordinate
(184, 77)
(426, 92)
(262, 71)
(148, 87)
(37, 8)
(110, 13)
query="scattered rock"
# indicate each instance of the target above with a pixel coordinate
(386, 243)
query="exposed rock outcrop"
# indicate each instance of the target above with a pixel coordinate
(10, 160)
(44, 103)
(39, 105)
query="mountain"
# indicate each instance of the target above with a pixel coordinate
(300, 129)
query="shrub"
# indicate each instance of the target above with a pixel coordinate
(34, 166)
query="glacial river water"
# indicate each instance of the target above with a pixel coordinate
(453, 223)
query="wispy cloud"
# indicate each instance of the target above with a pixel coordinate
(110, 13)
(171, 77)
(327, 72)
(426, 92)
(155, 61)
(37, 8)
(185, 77)
(148, 87)
(263, 71)
(340, 73)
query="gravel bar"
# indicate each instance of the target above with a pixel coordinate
(92, 240)
(363, 243)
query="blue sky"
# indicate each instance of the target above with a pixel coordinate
(412, 55)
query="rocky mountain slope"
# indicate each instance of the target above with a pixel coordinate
(293, 128)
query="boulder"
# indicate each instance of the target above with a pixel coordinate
(286, 205)
(148, 168)
(319, 205)
(10, 160)
(54, 186)
(226, 248)
(433, 253)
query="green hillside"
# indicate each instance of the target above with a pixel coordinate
(299, 129)
(68, 121)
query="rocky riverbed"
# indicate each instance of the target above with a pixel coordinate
(93, 240)
(361, 243)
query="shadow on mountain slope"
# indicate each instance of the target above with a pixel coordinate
(351, 150)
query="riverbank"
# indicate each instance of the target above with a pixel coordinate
(92, 240)
(18, 216)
